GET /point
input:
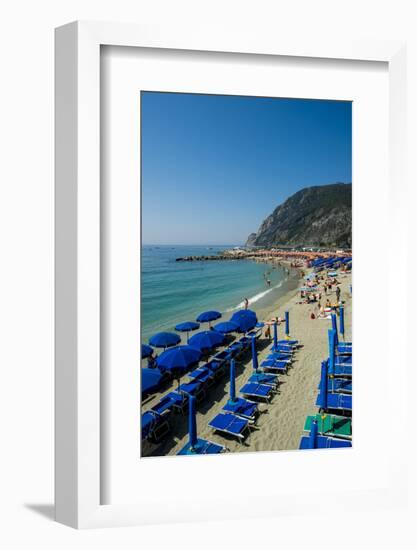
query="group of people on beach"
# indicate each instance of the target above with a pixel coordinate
(316, 287)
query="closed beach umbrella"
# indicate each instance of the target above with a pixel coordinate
(287, 323)
(187, 327)
(275, 335)
(192, 423)
(206, 340)
(254, 354)
(312, 440)
(150, 378)
(342, 321)
(322, 398)
(164, 340)
(208, 316)
(178, 359)
(226, 327)
(232, 381)
(146, 351)
(334, 327)
(332, 350)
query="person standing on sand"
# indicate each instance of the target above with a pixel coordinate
(338, 293)
(268, 332)
(246, 302)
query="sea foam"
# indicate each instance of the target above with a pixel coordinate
(255, 298)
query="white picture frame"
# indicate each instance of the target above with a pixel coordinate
(78, 260)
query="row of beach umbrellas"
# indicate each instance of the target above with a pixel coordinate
(180, 358)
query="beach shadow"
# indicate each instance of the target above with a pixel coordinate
(45, 510)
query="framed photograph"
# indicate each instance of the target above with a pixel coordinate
(221, 248)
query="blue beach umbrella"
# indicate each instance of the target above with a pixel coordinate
(146, 351)
(254, 355)
(150, 378)
(178, 359)
(244, 313)
(245, 319)
(342, 321)
(226, 327)
(164, 340)
(187, 327)
(208, 316)
(287, 323)
(206, 340)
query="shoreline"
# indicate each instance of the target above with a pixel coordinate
(281, 424)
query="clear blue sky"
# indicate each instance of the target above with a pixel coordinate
(213, 167)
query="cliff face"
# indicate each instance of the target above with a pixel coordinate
(315, 216)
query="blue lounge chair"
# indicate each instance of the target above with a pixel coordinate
(343, 360)
(280, 357)
(344, 349)
(203, 375)
(194, 388)
(281, 350)
(338, 365)
(238, 405)
(154, 426)
(231, 425)
(343, 371)
(343, 385)
(258, 391)
(242, 407)
(202, 447)
(275, 366)
(173, 401)
(216, 367)
(224, 355)
(237, 348)
(316, 441)
(324, 442)
(264, 378)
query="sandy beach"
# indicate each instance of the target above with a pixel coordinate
(280, 424)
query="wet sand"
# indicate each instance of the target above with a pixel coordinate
(280, 424)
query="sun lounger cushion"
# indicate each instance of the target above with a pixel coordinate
(227, 422)
(241, 407)
(264, 378)
(271, 364)
(279, 357)
(259, 390)
(203, 374)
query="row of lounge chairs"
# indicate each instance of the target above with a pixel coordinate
(332, 427)
(239, 414)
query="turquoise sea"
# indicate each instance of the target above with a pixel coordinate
(173, 292)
